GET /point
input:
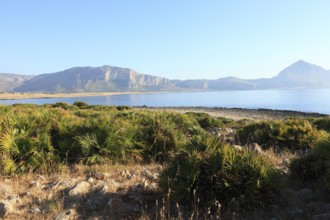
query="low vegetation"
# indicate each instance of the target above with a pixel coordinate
(200, 168)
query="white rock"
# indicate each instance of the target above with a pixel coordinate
(66, 215)
(237, 147)
(90, 180)
(254, 147)
(81, 188)
(6, 207)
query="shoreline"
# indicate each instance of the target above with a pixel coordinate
(233, 113)
(240, 113)
(16, 96)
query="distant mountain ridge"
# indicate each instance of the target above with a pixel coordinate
(301, 74)
(106, 78)
(95, 79)
(8, 82)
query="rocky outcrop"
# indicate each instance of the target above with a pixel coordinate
(95, 79)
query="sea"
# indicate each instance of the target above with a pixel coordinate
(304, 100)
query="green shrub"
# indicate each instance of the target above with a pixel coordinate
(26, 145)
(61, 105)
(322, 123)
(123, 108)
(205, 120)
(209, 171)
(81, 105)
(294, 134)
(315, 165)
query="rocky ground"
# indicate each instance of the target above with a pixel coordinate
(131, 192)
(239, 113)
(106, 192)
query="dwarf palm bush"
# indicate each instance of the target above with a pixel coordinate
(315, 165)
(290, 134)
(322, 123)
(212, 172)
(26, 145)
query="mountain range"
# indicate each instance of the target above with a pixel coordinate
(106, 78)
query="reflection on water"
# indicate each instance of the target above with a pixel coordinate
(309, 100)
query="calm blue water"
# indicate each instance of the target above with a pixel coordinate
(306, 100)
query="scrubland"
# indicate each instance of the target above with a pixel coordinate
(61, 161)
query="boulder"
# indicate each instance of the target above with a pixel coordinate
(6, 207)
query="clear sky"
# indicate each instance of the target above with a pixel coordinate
(178, 39)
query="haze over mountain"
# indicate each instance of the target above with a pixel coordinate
(107, 79)
(10, 81)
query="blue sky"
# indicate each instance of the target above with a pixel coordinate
(178, 39)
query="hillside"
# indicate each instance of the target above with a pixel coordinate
(10, 81)
(298, 75)
(94, 79)
(106, 78)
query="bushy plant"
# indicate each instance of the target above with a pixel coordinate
(322, 123)
(61, 105)
(210, 171)
(294, 134)
(26, 145)
(205, 120)
(315, 165)
(81, 105)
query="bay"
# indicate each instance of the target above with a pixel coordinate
(305, 100)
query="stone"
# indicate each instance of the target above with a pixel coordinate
(113, 186)
(125, 173)
(305, 194)
(102, 187)
(90, 180)
(237, 147)
(41, 177)
(286, 162)
(296, 213)
(36, 210)
(80, 188)
(91, 205)
(254, 147)
(5, 189)
(66, 215)
(155, 176)
(6, 207)
(34, 184)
